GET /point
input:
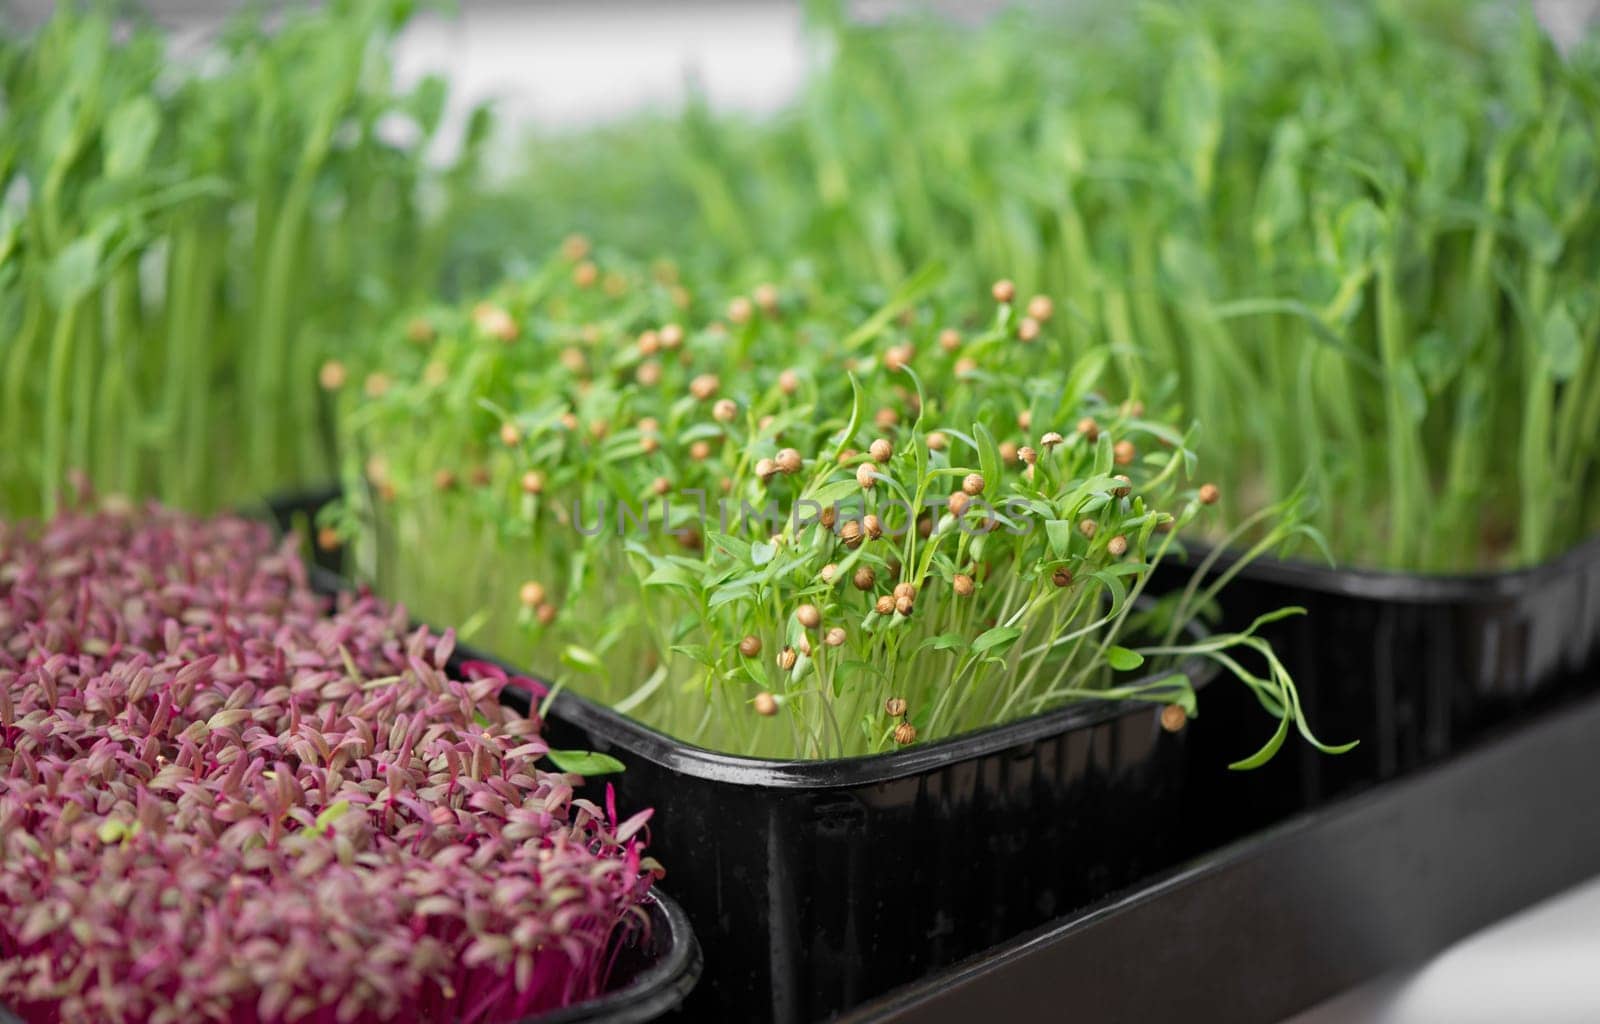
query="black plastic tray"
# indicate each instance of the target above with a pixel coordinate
(814, 885)
(1277, 923)
(648, 980)
(1414, 667)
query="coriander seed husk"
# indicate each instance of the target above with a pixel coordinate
(765, 704)
(905, 733)
(704, 386)
(1003, 290)
(750, 646)
(962, 584)
(1208, 494)
(894, 707)
(864, 578)
(881, 450)
(972, 483)
(332, 375)
(1174, 717)
(787, 658)
(808, 616)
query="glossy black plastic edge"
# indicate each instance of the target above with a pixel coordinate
(1394, 874)
(657, 990)
(653, 992)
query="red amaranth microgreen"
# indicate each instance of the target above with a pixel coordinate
(221, 801)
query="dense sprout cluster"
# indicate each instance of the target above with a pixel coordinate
(220, 802)
(185, 223)
(709, 509)
(1356, 240)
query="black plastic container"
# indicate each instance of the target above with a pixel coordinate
(1278, 922)
(650, 978)
(1413, 666)
(814, 885)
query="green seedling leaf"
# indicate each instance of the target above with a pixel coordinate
(585, 762)
(130, 134)
(73, 272)
(1362, 232)
(582, 659)
(1122, 659)
(1267, 752)
(998, 637)
(942, 642)
(330, 814)
(1559, 341)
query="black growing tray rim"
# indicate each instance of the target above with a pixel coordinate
(1399, 586)
(685, 758)
(652, 992)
